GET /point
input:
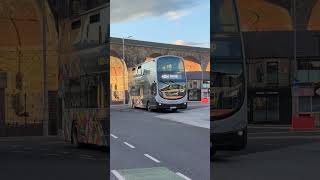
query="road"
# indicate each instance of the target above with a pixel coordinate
(159, 145)
(273, 152)
(39, 158)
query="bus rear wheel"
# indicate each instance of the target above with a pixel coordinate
(74, 137)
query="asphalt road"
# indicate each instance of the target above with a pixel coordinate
(156, 145)
(273, 152)
(39, 158)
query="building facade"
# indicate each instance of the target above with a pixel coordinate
(282, 47)
(22, 41)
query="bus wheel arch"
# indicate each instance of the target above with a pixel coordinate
(74, 134)
(148, 107)
(132, 104)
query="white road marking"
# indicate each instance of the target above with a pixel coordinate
(113, 136)
(87, 158)
(117, 175)
(183, 176)
(131, 146)
(53, 155)
(152, 158)
(85, 155)
(18, 151)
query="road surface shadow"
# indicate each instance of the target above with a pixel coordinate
(89, 147)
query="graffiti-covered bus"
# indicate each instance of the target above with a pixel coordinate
(83, 78)
(228, 117)
(159, 83)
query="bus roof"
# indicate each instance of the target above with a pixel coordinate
(156, 58)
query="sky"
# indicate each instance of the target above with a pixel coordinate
(181, 22)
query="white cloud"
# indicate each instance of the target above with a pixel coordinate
(180, 42)
(195, 44)
(128, 10)
(175, 15)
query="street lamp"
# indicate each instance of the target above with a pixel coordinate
(123, 64)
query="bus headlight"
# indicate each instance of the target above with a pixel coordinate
(240, 133)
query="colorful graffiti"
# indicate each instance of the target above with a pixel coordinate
(89, 127)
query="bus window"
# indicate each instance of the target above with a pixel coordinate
(228, 86)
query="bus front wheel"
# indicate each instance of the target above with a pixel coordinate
(149, 107)
(174, 110)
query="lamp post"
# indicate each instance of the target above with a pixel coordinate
(45, 71)
(123, 72)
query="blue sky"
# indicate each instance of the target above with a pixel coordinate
(183, 22)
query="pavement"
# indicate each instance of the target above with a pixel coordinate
(199, 117)
(273, 152)
(155, 145)
(50, 158)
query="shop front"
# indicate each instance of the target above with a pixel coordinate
(269, 106)
(196, 88)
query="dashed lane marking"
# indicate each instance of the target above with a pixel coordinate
(66, 152)
(112, 135)
(87, 158)
(117, 175)
(183, 176)
(152, 158)
(129, 145)
(86, 155)
(56, 155)
(18, 151)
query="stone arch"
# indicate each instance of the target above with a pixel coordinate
(118, 78)
(314, 23)
(208, 67)
(153, 55)
(192, 64)
(21, 42)
(257, 15)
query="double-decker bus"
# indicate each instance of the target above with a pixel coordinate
(159, 84)
(83, 78)
(228, 117)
